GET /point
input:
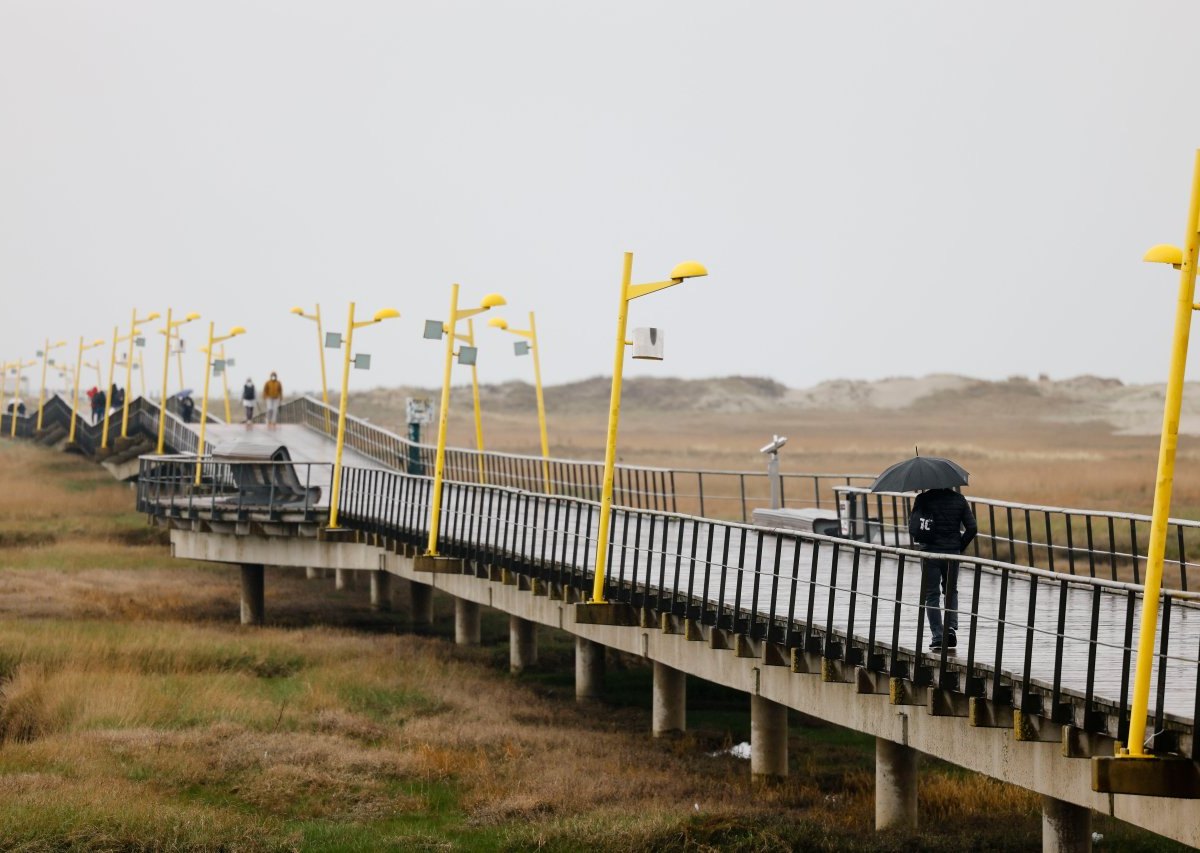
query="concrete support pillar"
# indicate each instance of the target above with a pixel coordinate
(1066, 827)
(669, 706)
(381, 590)
(768, 739)
(466, 622)
(589, 669)
(252, 595)
(895, 785)
(421, 596)
(313, 573)
(343, 579)
(522, 643)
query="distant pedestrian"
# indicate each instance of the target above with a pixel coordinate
(941, 522)
(248, 400)
(187, 406)
(116, 397)
(98, 402)
(272, 394)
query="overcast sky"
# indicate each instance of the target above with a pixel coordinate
(877, 188)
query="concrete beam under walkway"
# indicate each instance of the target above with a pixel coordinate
(1066, 827)
(895, 785)
(253, 595)
(381, 590)
(768, 740)
(467, 630)
(522, 644)
(669, 707)
(420, 596)
(589, 670)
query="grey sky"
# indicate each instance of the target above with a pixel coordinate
(876, 188)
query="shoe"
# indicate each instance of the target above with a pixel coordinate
(935, 646)
(951, 639)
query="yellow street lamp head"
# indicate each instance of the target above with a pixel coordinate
(298, 310)
(492, 300)
(498, 323)
(688, 269)
(59, 344)
(385, 314)
(237, 330)
(153, 316)
(97, 342)
(1164, 253)
(191, 316)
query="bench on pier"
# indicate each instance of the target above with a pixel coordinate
(264, 475)
(819, 521)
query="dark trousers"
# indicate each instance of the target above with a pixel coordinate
(940, 577)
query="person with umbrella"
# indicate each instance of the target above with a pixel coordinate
(941, 522)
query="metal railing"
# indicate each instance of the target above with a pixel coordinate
(1047, 643)
(143, 424)
(1091, 542)
(730, 494)
(167, 486)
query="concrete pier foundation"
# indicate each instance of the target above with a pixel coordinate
(313, 573)
(522, 643)
(1066, 827)
(253, 595)
(669, 706)
(421, 597)
(343, 579)
(768, 740)
(895, 785)
(466, 622)
(589, 669)
(381, 590)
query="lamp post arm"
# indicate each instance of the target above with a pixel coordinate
(637, 290)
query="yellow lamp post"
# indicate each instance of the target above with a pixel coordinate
(224, 364)
(523, 348)
(176, 336)
(79, 370)
(153, 315)
(208, 350)
(20, 365)
(168, 328)
(492, 300)
(299, 312)
(1185, 261)
(45, 354)
(469, 340)
(629, 292)
(112, 369)
(4, 368)
(336, 486)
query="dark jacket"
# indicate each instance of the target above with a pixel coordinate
(942, 521)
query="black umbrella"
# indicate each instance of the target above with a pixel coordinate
(921, 472)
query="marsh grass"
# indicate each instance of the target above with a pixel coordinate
(136, 715)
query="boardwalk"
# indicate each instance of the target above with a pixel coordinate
(848, 593)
